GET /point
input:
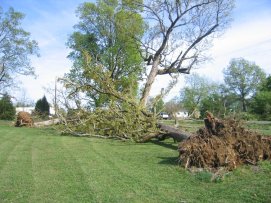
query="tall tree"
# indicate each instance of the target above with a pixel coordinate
(243, 78)
(107, 32)
(7, 110)
(196, 90)
(179, 34)
(156, 104)
(172, 107)
(15, 48)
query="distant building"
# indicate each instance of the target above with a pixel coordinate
(182, 114)
(25, 109)
(32, 109)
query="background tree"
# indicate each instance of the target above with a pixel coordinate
(266, 85)
(214, 103)
(107, 32)
(196, 90)
(172, 107)
(42, 107)
(261, 102)
(156, 104)
(15, 48)
(7, 110)
(23, 101)
(243, 78)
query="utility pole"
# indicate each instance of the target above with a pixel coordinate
(55, 94)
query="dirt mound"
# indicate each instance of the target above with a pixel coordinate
(223, 144)
(24, 119)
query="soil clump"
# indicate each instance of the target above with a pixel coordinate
(223, 143)
(24, 119)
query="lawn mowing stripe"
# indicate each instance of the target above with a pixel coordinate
(16, 174)
(136, 176)
(65, 168)
(85, 156)
(51, 183)
(120, 181)
(7, 147)
(95, 167)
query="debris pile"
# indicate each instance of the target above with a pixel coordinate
(24, 119)
(223, 144)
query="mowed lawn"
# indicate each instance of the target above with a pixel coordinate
(38, 165)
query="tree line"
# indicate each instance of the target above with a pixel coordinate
(8, 110)
(244, 92)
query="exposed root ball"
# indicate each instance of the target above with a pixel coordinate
(24, 119)
(223, 144)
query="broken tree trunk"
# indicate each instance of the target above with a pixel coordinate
(167, 131)
(175, 133)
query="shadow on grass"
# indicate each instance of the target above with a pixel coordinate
(169, 160)
(163, 144)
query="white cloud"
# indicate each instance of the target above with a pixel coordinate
(250, 40)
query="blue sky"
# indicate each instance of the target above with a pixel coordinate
(51, 21)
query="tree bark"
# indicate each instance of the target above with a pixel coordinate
(175, 133)
(244, 106)
(150, 80)
(168, 132)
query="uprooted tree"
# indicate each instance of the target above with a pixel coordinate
(118, 43)
(223, 143)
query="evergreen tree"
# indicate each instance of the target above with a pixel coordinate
(42, 107)
(45, 106)
(7, 110)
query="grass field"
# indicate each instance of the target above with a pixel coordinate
(38, 165)
(264, 127)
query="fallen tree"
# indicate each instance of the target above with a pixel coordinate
(119, 123)
(123, 118)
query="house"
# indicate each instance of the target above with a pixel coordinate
(182, 114)
(25, 109)
(32, 109)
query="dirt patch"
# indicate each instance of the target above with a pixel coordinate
(24, 119)
(223, 143)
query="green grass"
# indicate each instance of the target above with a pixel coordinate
(37, 165)
(263, 127)
(6, 123)
(188, 125)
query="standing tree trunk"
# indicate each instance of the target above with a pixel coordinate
(243, 100)
(150, 81)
